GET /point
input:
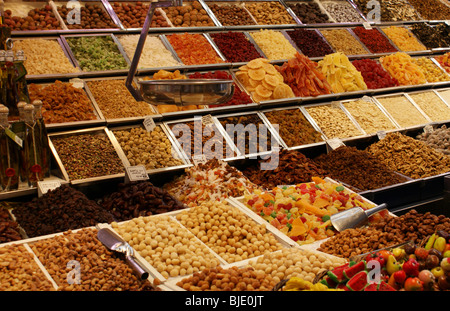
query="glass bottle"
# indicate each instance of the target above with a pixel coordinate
(18, 127)
(42, 137)
(9, 155)
(11, 86)
(21, 82)
(33, 161)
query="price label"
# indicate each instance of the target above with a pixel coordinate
(367, 25)
(14, 137)
(149, 124)
(334, 143)
(135, 173)
(77, 83)
(428, 129)
(44, 186)
(381, 134)
(199, 159)
(207, 120)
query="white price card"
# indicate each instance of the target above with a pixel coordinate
(199, 159)
(367, 25)
(77, 83)
(44, 186)
(149, 124)
(207, 120)
(135, 173)
(334, 143)
(381, 134)
(428, 128)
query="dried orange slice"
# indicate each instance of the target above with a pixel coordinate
(282, 91)
(243, 77)
(271, 80)
(258, 98)
(255, 63)
(254, 83)
(256, 74)
(269, 68)
(267, 85)
(263, 92)
(244, 68)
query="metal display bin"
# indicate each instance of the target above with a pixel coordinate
(10, 5)
(226, 139)
(274, 138)
(52, 76)
(99, 121)
(223, 64)
(290, 4)
(367, 55)
(113, 121)
(238, 4)
(337, 106)
(87, 73)
(308, 119)
(179, 154)
(103, 131)
(103, 5)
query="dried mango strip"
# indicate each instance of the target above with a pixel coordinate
(401, 66)
(301, 74)
(341, 74)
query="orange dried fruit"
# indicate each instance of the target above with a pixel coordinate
(262, 91)
(272, 80)
(256, 74)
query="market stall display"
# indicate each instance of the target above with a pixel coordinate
(342, 40)
(410, 156)
(30, 16)
(302, 211)
(154, 54)
(402, 110)
(115, 101)
(230, 14)
(358, 168)
(431, 10)
(369, 116)
(213, 181)
(269, 13)
(92, 16)
(374, 40)
(59, 210)
(293, 127)
(403, 38)
(153, 149)
(63, 102)
(44, 56)
(391, 10)
(437, 139)
(444, 61)
(309, 12)
(229, 224)
(84, 246)
(96, 53)
(292, 168)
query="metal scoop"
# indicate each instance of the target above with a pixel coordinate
(116, 244)
(354, 217)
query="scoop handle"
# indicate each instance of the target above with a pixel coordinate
(369, 212)
(143, 275)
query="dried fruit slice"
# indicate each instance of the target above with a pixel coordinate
(244, 68)
(262, 91)
(256, 74)
(267, 85)
(253, 83)
(272, 80)
(282, 91)
(243, 77)
(255, 63)
(269, 68)
(258, 98)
